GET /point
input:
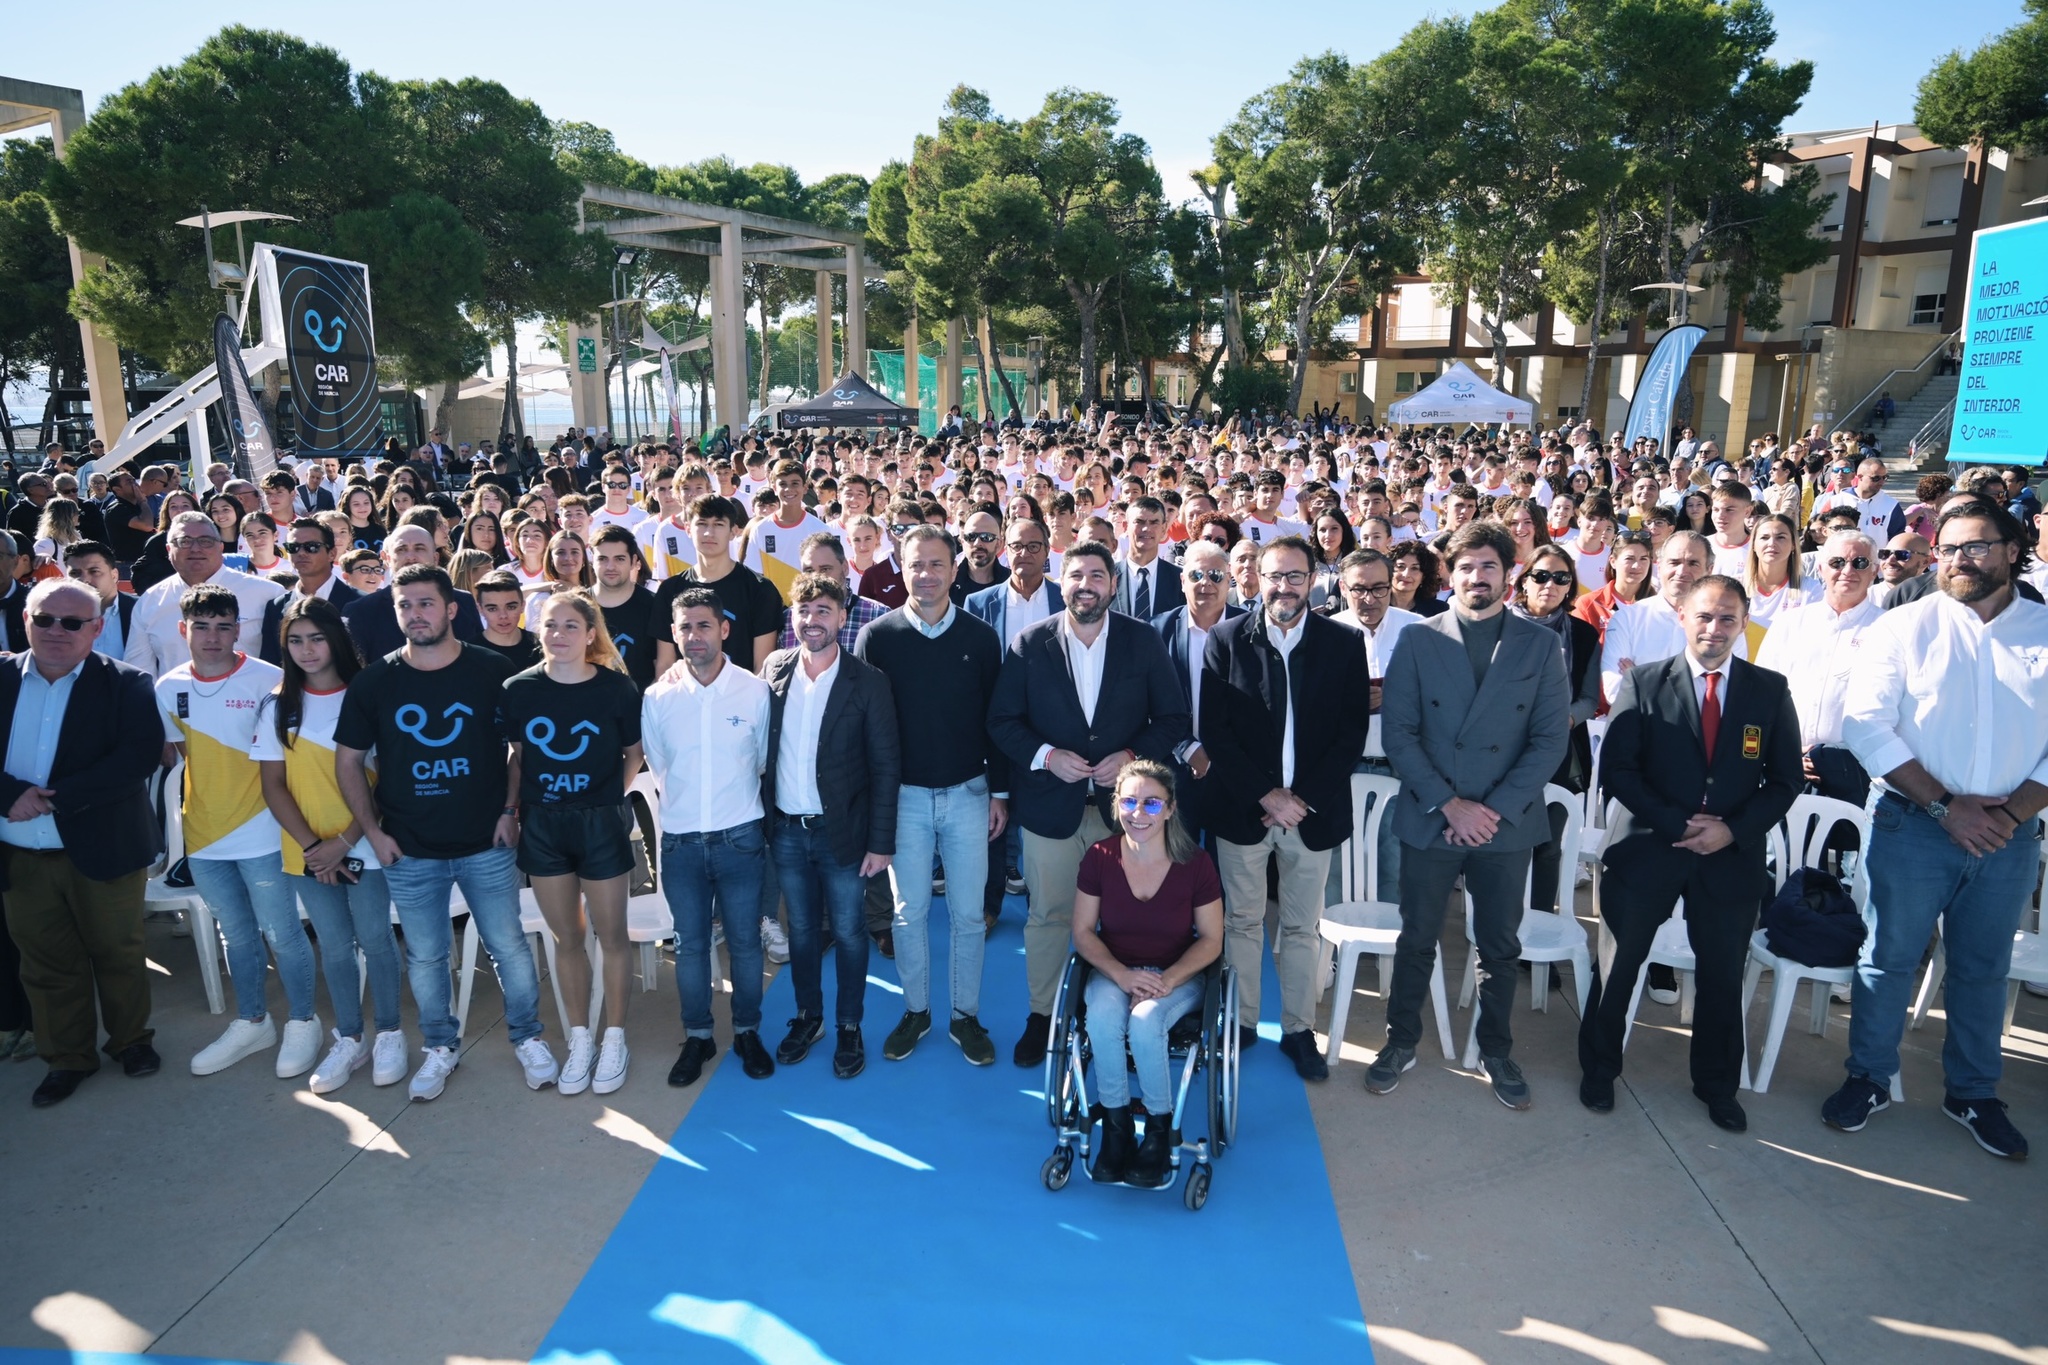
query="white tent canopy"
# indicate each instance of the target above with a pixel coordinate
(1459, 396)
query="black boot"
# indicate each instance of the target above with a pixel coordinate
(1119, 1141)
(1155, 1154)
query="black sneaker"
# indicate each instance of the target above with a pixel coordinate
(914, 1025)
(1301, 1049)
(975, 1044)
(850, 1057)
(689, 1066)
(754, 1058)
(1385, 1072)
(1247, 1037)
(1851, 1107)
(804, 1030)
(1030, 1049)
(1988, 1124)
(1509, 1087)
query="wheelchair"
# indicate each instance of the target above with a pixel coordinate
(1202, 1042)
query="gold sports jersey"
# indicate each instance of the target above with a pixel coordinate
(309, 772)
(215, 720)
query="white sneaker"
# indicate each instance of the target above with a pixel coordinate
(717, 932)
(538, 1063)
(387, 1058)
(429, 1080)
(576, 1067)
(611, 1063)
(301, 1048)
(243, 1039)
(2035, 987)
(1839, 992)
(773, 941)
(342, 1061)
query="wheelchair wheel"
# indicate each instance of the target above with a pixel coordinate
(1058, 1169)
(1062, 1105)
(1196, 1192)
(1224, 1120)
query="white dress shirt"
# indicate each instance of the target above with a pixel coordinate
(1285, 641)
(1817, 649)
(1379, 651)
(1198, 645)
(1699, 682)
(709, 747)
(1959, 694)
(796, 757)
(1085, 662)
(1642, 633)
(154, 644)
(1020, 611)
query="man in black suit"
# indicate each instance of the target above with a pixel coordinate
(830, 790)
(1283, 724)
(372, 619)
(92, 563)
(1185, 629)
(1702, 752)
(1080, 695)
(82, 737)
(310, 544)
(1147, 584)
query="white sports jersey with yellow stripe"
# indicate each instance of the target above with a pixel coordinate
(309, 771)
(666, 547)
(215, 719)
(774, 550)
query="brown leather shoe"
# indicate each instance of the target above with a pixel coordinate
(885, 943)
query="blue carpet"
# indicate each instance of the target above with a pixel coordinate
(898, 1218)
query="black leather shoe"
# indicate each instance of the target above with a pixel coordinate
(1030, 1049)
(1247, 1037)
(754, 1058)
(885, 943)
(1308, 1061)
(138, 1059)
(689, 1066)
(1596, 1094)
(57, 1087)
(1726, 1113)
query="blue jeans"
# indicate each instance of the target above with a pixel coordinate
(347, 918)
(253, 902)
(953, 822)
(490, 886)
(1113, 1023)
(1917, 874)
(727, 865)
(823, 894)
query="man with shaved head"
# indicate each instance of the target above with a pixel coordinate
(1902, 560)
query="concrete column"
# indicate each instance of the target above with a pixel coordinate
(586, 390)
(827, 372)
(729, 338)
(1622, 373)
(856, 313)
(1542, 385)
(952, 382)
(911, 378)
(200, 445)
(1730, 378)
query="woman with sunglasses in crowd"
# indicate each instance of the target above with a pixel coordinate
(1148, 919)
(1544, 595)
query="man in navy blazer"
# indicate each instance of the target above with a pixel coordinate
(311, 547)
(1080, 695)
(1185, 630)
(372, 619)
(1147, 583)
(82, 736)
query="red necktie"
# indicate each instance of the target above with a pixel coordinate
(1710, 714)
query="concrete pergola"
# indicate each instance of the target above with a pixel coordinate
(30, 104)
(656, 222)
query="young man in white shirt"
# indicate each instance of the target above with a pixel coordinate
(619, 508)
(775, 546)
(1732, 504)
(1265, 522)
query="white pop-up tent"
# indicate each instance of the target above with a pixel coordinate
(1459, 396)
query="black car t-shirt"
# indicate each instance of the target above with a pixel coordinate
(572, 736)
(440, 743)
(751, 603)
(631, 625)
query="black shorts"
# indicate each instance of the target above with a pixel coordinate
(590, 842)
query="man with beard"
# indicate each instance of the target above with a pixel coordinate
(1080, 695)
(1283, 729)
(1902, 561)
(981, 538)
(1477, 714)
(1956, 834)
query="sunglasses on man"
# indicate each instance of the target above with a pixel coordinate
(43, 620)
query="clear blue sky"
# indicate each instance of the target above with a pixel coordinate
(845, 87)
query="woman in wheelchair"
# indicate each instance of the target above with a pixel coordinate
(1148, 917)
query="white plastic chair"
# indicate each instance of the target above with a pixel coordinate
(186, 900)
(1808, 824)
(1365, 923)
(1546, 937)
(2029, 959)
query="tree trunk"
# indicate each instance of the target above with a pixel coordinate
(1205, 375)
(512, 423)
(988, 398)
(1233, 306)
(6, 423)
(1009, 389)
(1086, 302)
(1606, 230)
(762, 388)
(1304, 313)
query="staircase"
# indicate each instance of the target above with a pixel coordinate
(1912, 419)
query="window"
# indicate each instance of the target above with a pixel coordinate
(1347, 383)
(1571, 412)
(1404, 381)
(1927, 309)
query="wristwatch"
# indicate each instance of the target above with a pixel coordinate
(1937, 809)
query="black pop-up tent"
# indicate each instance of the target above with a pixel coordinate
(850, 402)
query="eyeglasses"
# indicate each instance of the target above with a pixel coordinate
(902, 528)
(1131, 805)
(303, 547)
(1370, 594)
(43, 620)
(1978, 550)
(979, 537)
(190, 542)
(1028, 547)
(1838, 563)
(1549, 578)
(1901, 555)
(1292, 578)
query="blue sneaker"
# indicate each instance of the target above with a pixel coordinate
(1988, 1124)
(1851, 1107)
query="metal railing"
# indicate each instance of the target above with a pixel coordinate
(1851, 413)
(1921, 444)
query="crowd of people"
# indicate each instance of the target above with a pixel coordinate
(1126, 672)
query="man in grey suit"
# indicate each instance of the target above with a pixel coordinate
(1476, 719)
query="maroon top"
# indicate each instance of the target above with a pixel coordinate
(1146, 933)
